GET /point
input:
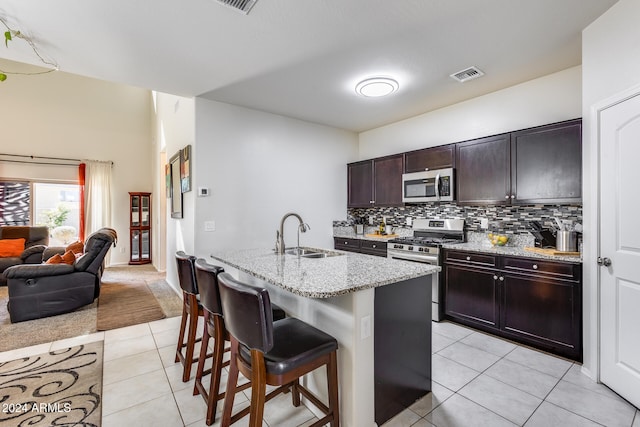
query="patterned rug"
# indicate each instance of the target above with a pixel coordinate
(60, 388)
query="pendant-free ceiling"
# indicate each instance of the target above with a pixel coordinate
(376, 87)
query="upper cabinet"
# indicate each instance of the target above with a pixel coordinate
(546, 164)
(430, 158)
(376, 182)
(483, 170)
(538, 165)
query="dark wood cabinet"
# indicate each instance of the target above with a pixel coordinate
(360, 184)
(537, 165)
(483, 170)
(376, 182)
(430, 158)
(369, 247)
(536, 302)
(472, 295)
(139, 228)
(546, 164)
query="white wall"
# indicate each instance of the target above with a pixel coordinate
(65, 115)
(260, 166)
(610, 52)
(549, 99)
(174, 124)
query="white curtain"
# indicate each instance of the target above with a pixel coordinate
(97, 197)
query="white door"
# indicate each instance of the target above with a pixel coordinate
(620, 246)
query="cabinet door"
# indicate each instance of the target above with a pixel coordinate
(387, 181)
(135, 211)
(430, 158)
(544, 313)
(471, 295)
(360, 184)
(483, 170)
(546, 164)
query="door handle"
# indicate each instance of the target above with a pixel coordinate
(604, 261)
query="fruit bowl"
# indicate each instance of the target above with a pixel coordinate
(497, 239)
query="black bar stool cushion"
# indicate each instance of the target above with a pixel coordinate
(295, 344)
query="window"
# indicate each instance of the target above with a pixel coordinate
(56, 205)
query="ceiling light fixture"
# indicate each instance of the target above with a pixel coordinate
(377, 86)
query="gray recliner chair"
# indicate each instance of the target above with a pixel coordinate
(43, 290)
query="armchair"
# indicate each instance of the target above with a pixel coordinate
(44, 290)
(36, 241)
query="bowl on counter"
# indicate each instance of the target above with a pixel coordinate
(498, 239)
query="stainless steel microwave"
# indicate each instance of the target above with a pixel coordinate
(429, 186)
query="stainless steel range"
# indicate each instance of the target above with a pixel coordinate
(424, 246)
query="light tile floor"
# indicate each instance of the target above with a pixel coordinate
(478, 380)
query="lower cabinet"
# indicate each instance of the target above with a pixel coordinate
(369, 247)
(535, 302)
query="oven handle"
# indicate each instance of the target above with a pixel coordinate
(411, 257)
(438, 186)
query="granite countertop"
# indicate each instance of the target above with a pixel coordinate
(323, 277)
(518, 251)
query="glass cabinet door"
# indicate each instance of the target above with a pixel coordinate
(146, 217)
(135, 211)
(135, 245)
(145, 251)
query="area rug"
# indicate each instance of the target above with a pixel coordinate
(60, 388)
(126, 304)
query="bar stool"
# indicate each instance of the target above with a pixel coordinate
(272, 353)
(207, 279)
(191, 311)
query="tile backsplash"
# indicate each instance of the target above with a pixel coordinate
(509, 219)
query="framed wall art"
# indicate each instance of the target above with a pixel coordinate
(185, 169)
(176, 190)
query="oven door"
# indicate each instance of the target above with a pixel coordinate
(435, 277)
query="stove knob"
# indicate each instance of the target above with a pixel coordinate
(420, 249)
(410, 248)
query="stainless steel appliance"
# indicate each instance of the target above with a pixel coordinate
(424, 246)
(428, 186)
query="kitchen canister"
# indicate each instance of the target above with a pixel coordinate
(566, 241)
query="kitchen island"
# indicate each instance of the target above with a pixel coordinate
(378, 309)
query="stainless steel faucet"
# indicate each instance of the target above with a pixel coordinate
(302, 227)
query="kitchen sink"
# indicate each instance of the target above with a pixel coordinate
(310, 253)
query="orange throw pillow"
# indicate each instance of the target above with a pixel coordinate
(76, 247)
(69, 257)
(56, 259)
(11, 247)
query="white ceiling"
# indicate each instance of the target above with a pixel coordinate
(302, 58)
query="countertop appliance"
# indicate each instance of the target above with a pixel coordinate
(428, 186)
(424, 246)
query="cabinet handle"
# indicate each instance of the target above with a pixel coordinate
(346, 243)
(506, 197)
(468, 258)
(501, 279)
(495, 277)
(535, 266)
(513, 196)
(373, 246)
(372, 201)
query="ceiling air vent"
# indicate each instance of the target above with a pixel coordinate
(242, 6)
(467, 74)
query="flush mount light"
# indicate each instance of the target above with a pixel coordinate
(377, 86)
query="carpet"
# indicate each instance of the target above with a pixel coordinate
(126, 304)
(60, 388)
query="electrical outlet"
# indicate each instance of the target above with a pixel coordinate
(484, 223)
(370, 219)
(365, 327)
(409, 221)
(209, 226)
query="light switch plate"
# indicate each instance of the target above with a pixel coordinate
(484, 223)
